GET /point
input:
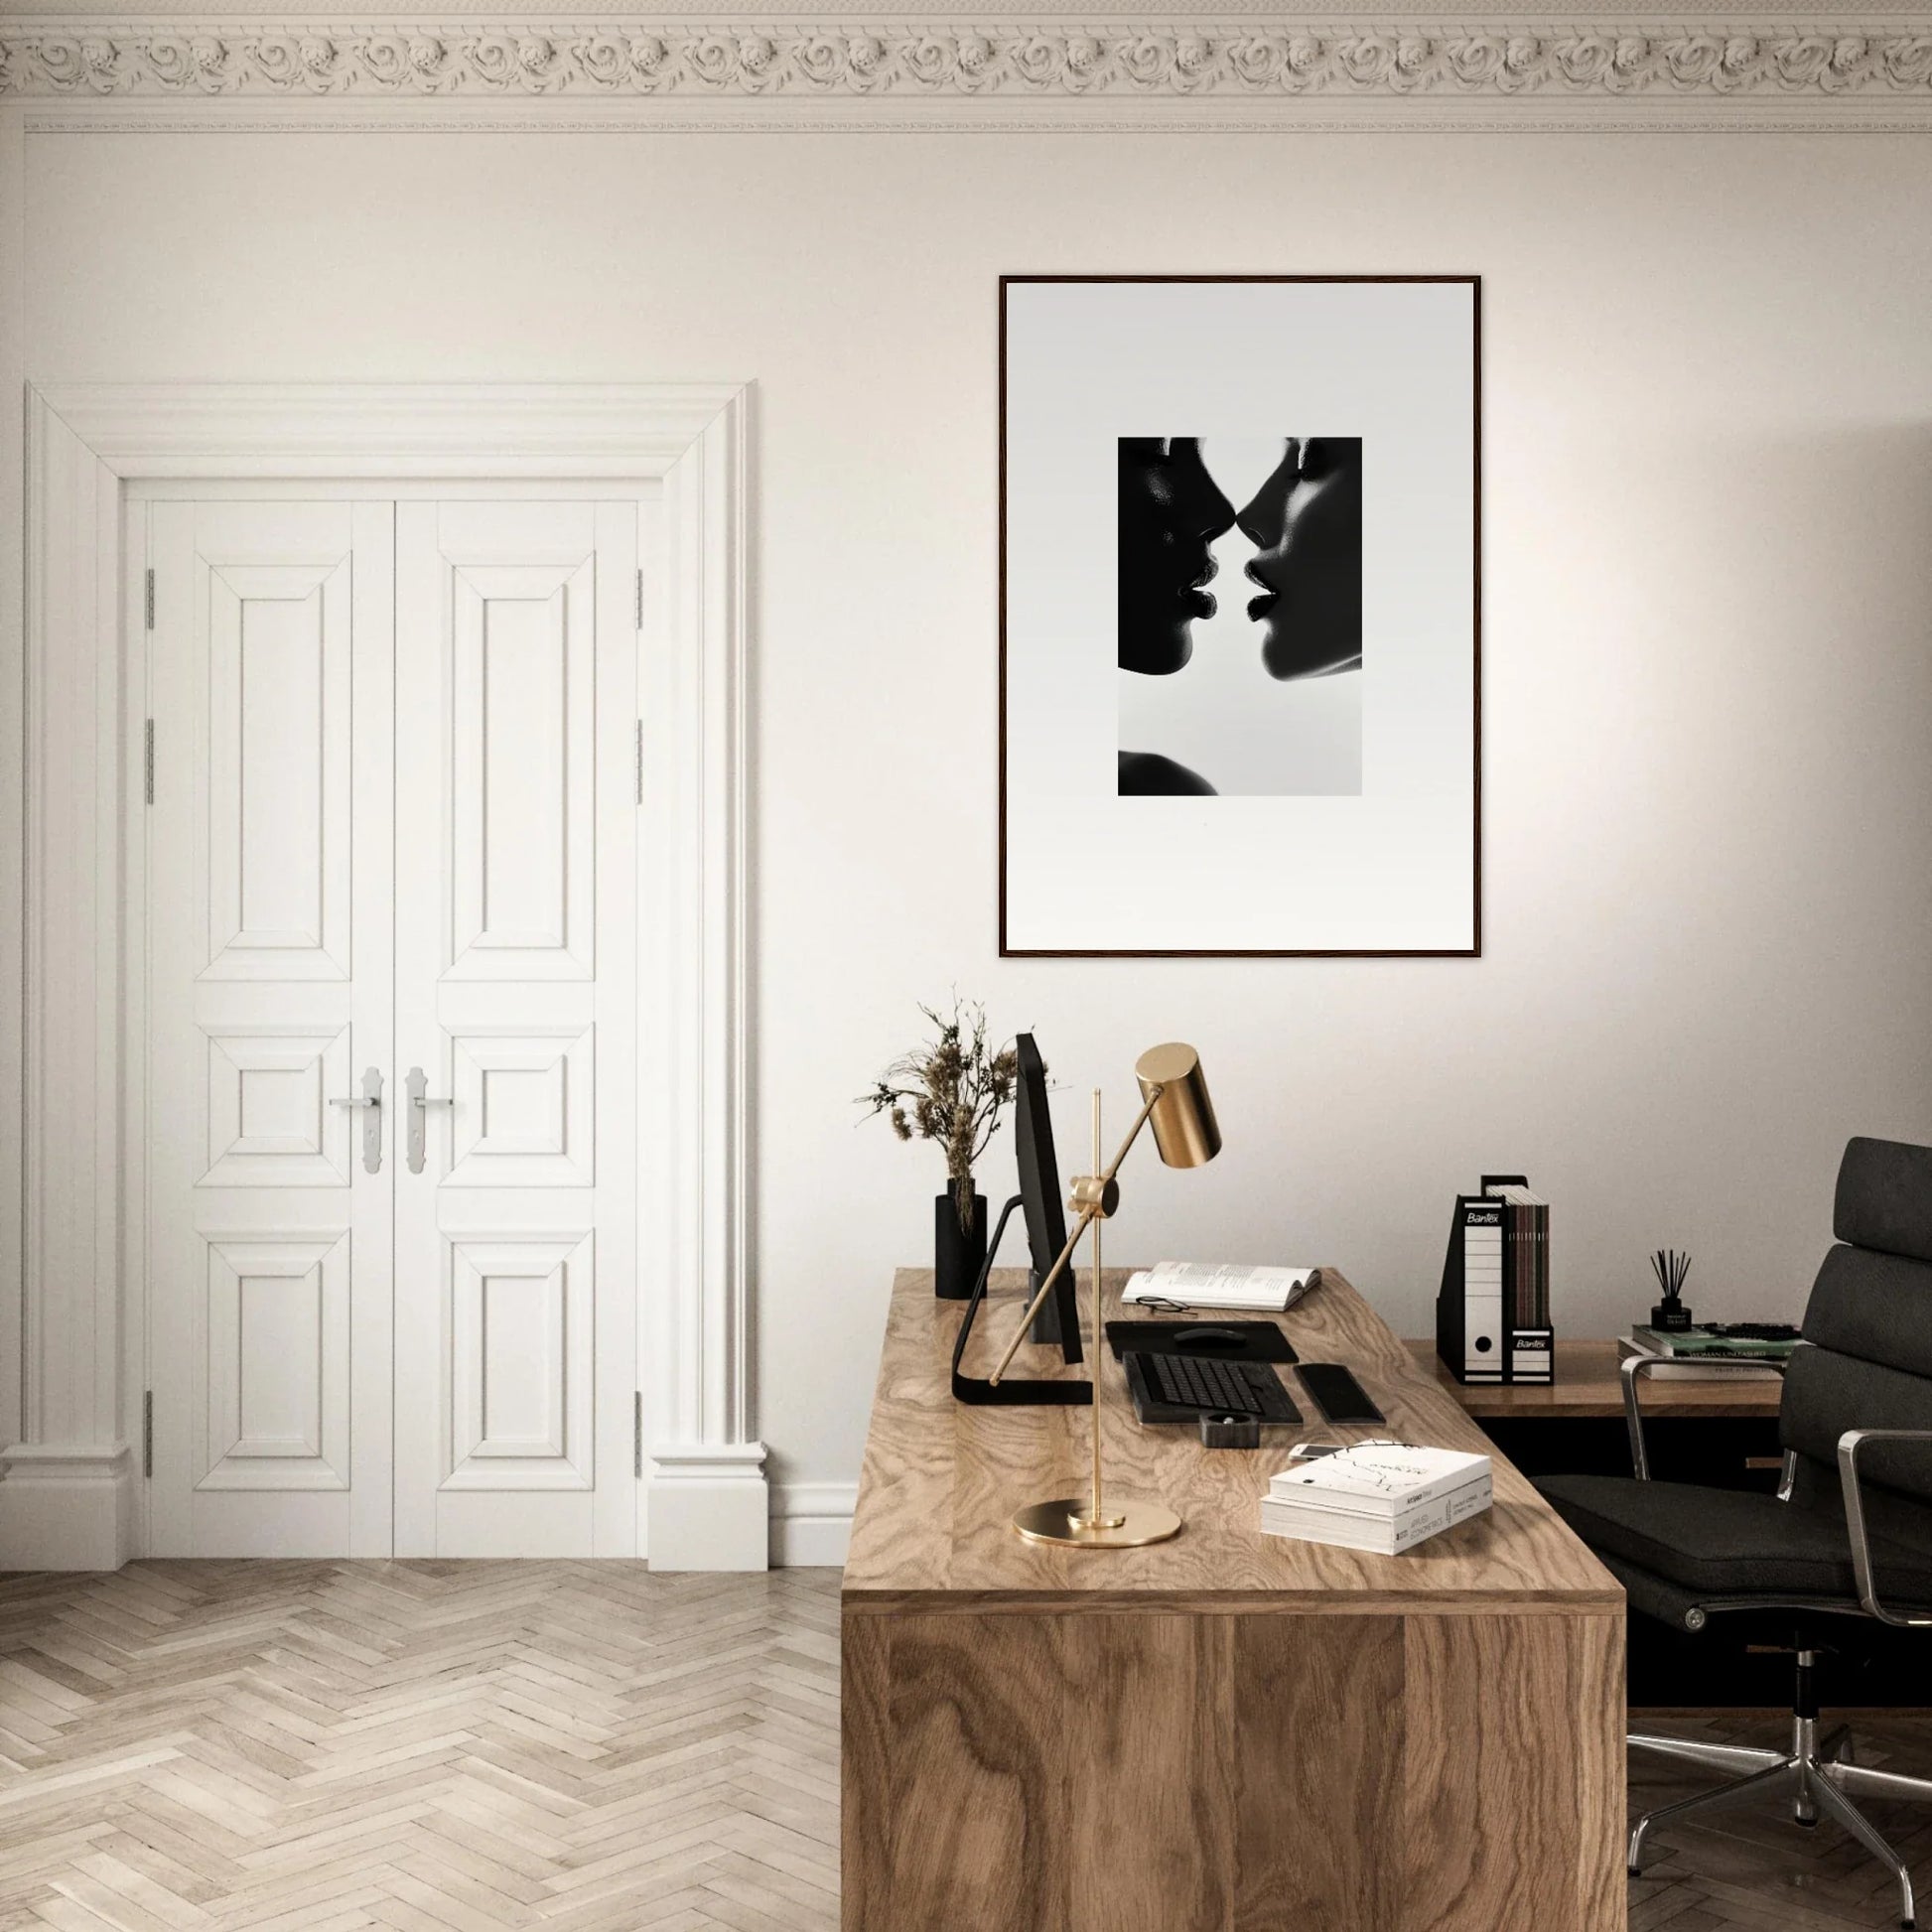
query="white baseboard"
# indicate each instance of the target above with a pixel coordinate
(709, 1507)
(67, 1507)
(811, 1524)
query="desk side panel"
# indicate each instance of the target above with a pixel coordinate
(1151, 1772)
(972, 1776)
(865, 1761)
(1514, 1773)
(1316, 1726)
(1151, 1794)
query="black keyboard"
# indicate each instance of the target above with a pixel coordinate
(1209, 1387)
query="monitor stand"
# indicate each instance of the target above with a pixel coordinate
(1010, 1390)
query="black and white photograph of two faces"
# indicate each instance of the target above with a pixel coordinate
(1239, 616)
(1200, 712)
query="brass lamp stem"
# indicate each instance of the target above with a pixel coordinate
(1094, 1198)
(1174, 1098)
(1099, 1354)
(1095, 1517)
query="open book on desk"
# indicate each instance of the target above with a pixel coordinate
(1217, 1285)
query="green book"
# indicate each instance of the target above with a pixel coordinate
(1700, 1341)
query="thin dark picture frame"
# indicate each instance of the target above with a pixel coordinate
(1471, 951)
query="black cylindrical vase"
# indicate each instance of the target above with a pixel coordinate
(958, 1253)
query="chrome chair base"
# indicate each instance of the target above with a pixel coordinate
(1818, 1775)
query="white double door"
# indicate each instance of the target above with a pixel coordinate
(390, 858)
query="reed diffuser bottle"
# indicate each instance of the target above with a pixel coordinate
(1670, 1314)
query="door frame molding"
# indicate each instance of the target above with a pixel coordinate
(68, 1500)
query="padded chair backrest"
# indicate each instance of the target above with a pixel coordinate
(1870, 1325)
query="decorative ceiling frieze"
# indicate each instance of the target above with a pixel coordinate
(1238, 61)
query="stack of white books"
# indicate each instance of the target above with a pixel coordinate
(1380, 1496)
(1220, 1285)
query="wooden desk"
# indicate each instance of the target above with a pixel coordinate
(1228, 1732)
(1587, 1386)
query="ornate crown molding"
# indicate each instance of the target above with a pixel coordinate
(1240, 60)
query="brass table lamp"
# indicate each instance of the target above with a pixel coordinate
(1174, 1101)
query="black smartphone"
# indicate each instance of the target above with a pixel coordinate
(1336, 1393)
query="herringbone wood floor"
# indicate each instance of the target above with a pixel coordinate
(430, 1746)
(456, 1747)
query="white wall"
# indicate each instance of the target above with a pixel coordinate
(1707, 572)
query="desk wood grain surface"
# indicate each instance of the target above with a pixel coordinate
(941, 1480)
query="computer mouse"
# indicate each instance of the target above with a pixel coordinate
(1209, 1337)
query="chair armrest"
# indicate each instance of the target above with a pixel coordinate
(1848, 1445)
(1634, 1367)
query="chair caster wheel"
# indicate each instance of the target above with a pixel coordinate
(1633, 1871)
(1810, 1824)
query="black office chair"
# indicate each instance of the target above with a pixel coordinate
(1849, 1536)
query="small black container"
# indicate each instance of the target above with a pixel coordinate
(1671, 1318)
(958, 1254)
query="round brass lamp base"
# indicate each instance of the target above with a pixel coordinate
(1065, 1521)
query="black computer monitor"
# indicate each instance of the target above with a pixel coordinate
(1039, 1195)
(1038, 1200)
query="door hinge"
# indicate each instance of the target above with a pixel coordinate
(150, 599)
(638, 1434)
(147, 1433)
(640, 598)
(641, 760)
(147, 760)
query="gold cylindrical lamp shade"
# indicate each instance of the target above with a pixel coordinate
(1182, 1117)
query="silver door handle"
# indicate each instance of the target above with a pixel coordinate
(420, 1102)
(371, 1099)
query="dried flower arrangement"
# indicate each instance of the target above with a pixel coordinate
(953, 1090)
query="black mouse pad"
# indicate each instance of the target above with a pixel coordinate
(1220, 1341)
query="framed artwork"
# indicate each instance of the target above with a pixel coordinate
(1239, 624)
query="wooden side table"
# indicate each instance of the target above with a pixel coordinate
(1588, 1387)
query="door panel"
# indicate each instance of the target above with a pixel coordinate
(279, 750)
(277, 1415)
(515, 978)
(525, 1100)
(270, 895)
(521, 1340)
(269, 1119)
(522, 817)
